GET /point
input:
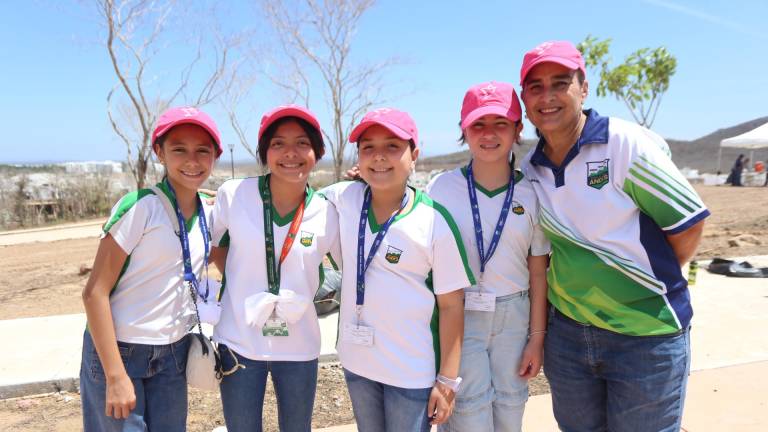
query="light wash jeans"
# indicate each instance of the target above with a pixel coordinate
(492, 396)
(158, 374)
(384, 408)
(606, 381)
(242, 393)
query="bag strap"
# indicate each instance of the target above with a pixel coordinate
(175, 222)
(168, 206)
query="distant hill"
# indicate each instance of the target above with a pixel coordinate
(700, 154)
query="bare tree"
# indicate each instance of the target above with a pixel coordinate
(134, 37)
(316, 38)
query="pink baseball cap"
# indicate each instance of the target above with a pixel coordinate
(560, 52)
(397, 122)
(187, 115)
(492, 97)
(288, 111)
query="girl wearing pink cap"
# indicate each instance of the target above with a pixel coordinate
(496, 211)
(139, 299)
(401, 315)
(274, 230)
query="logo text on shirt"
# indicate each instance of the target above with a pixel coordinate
(597, 173)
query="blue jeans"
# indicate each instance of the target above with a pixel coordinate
(242, 393)
(605, 381)
(158, 374)
(492, 396)
(384, 408)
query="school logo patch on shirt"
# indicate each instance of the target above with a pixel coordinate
(517, 208)
(306, 238)
(597, 173)
(393, 254)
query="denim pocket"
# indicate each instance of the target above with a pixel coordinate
(420, 395)
(180, 352)
(97, 370)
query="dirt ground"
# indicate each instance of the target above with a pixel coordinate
(44, 279)
(60, 412)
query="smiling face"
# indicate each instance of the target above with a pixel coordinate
(187, 151)
(553, 97)
(491, 137)
(290, 156)
(385, 160)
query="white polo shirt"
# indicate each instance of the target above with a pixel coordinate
(239, 224)
(507, 271)
(421, 256)
(607, 211)
(150, 302)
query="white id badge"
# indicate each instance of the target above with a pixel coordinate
(275, 326)
(479, 301)
(358, 334)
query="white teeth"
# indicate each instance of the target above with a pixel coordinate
(291, 165)
(549, 110)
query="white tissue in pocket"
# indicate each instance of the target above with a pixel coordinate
(258, 308)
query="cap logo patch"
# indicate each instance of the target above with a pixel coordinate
(543, 47)
(380, 112)
(487, 91)
(190, 111)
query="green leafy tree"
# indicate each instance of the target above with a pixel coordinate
(640, 81)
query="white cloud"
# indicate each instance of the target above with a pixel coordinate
(714, 19)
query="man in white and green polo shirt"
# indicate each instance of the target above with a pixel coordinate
(621, 220)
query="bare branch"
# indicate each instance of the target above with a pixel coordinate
(316, 37)
(135, 33)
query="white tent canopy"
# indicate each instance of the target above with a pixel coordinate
(754, 139)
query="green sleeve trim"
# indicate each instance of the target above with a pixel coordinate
(224, 242)
(457, 237)
(679, 184)
(125, 205)
(321, 277)
(223, 286)
(434, 324)
(122, 272)
(664, 213)
(646, 177)
(333, 263)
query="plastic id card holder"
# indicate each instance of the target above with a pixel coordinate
(481, 301)
(275, 326)
(358, 334)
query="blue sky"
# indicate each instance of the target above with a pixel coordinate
(55, 75)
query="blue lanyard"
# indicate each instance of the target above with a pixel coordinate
(189, 275)
(362, 262)
(486, 256)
